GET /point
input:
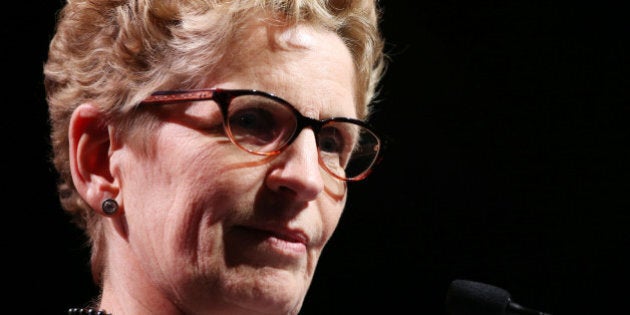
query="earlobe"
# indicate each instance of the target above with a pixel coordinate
(89, 141)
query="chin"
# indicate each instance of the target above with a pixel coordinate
(269, 291)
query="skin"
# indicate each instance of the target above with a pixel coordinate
(203, 227)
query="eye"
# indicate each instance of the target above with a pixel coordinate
(331, 140)
(254, 124)
(259, 123)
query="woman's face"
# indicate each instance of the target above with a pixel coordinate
(219, 230)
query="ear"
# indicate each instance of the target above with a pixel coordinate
(89, 140)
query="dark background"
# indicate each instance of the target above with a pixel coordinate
(507, 165)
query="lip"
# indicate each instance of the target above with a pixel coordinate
(289, 235)
(282, 240)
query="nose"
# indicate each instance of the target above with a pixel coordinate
(296, 169)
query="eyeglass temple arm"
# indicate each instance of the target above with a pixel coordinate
(178, 96)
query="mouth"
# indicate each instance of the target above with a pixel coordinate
(287, 242)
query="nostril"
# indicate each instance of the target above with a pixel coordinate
(285, 190)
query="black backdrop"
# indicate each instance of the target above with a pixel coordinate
(507, 165)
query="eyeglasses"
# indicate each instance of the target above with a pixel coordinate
(264, 124)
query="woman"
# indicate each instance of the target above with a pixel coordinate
(205, 146)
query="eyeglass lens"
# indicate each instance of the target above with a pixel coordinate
(263, 125)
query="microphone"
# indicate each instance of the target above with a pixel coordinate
(466, 297)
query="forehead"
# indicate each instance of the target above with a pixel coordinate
(309, 67)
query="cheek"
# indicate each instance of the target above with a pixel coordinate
(333, 203)
(335, 215)
(171, 197)
(165, 177)
(191, 173)
(180, 168)
(330, 216)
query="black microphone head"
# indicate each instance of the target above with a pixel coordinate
(466, 297)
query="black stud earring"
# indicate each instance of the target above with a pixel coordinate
(109, 206)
